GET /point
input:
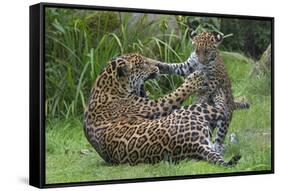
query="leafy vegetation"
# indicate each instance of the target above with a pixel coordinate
(251, 37)
(75, 53)
(78, 45)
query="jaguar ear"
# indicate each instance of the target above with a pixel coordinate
(218, 38)
(191, 34)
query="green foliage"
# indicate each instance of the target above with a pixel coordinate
(74, 57)
(250, 36)
(80, 43)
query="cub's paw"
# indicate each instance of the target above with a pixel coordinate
(219, 96)
(161, 66)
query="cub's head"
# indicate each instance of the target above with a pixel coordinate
(131, 70)
(206, 44)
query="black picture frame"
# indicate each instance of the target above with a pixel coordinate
(37, 94)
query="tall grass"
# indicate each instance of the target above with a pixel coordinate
(80, 43)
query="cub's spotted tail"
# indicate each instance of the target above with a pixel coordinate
(241, 105)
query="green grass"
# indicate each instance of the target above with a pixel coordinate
(66, 160)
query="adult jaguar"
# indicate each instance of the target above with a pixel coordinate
(206, 58)
(125, 127)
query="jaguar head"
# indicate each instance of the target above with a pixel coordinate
(206, 44)
(132, 70)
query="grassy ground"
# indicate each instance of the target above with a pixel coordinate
(70, 158)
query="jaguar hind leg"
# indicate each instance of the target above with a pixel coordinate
(221, 133)
(218, 145)
(214, 157)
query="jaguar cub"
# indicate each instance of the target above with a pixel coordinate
(125, 127)
(206, 58)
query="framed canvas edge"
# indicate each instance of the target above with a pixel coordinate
(37, 170)
(35, 97)
(154, 11)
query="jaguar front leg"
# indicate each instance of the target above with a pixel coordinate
(165, 105)
(182, 68)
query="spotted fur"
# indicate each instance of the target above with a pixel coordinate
(206, 58)
(125, 127)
